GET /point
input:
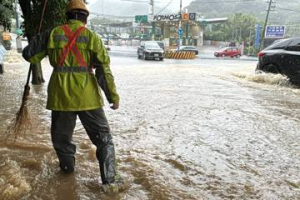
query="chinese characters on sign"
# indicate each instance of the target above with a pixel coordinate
(275, 32)
(257, 36)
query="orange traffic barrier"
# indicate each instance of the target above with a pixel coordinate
(180, 55)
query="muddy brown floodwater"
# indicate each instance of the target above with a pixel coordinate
(182, 132)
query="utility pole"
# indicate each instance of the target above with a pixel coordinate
(265, 25)
(249, 39)
(152, 7)
(17, 15)
(152, 23)
(179, 27)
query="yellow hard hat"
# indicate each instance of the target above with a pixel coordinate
(77, 5)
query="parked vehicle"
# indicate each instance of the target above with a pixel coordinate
(150, 50)
(228, 52)
(189, 48)
(105, 42)
(161, 44)
(283, 57)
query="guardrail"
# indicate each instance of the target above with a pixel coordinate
(180, 55)
(2, 53)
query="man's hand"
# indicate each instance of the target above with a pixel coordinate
(115, 106)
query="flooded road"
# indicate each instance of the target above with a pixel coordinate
(202, 129)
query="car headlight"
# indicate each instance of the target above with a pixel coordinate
(147, 51)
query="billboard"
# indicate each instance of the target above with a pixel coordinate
(188, 16)
(275, 32)
(175, 17)
(257, 36)
(171, 17)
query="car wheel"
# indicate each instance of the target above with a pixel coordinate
(257, 71)
(139, 56)
(238, 56)
(271, 68)
(144, 56)
(161, 59)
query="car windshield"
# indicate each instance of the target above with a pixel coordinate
(281, 44)
(224, 49)
(152, 46)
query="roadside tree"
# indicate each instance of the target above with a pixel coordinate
(54, 15)
(6, 13)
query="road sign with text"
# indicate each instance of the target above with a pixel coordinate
(180, 32)
(141, 19)
(275, 32)
(257, 36)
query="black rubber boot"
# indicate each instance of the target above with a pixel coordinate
(67, 164)
(119, 185)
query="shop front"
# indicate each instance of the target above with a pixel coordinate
(166, 27)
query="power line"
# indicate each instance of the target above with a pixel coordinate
(287, 9)
(164, 7)
(112, 16)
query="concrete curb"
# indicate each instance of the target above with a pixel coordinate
(239, 59)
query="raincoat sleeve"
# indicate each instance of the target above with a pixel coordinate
(37, 48)
(101, 62)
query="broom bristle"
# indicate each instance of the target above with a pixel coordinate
(21, 124)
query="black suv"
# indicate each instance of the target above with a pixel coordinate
(150, 50)
(283, 56)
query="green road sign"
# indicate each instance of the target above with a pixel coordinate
(141, 18)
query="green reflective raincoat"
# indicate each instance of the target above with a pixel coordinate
(73, 87)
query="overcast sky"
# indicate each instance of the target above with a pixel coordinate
(174, 4)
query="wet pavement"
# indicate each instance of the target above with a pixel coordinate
(205, 52)
(200, 129)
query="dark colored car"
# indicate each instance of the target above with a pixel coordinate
(189, 48)
(105, 42)
(283, 57)
(161, 44)
(150, 50)
(228, 52)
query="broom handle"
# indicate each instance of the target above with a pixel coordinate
(28, 75)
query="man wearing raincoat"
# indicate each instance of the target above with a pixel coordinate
(73, 90)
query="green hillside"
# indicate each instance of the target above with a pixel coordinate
(283, 11)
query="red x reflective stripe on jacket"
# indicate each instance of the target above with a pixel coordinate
(71, 46)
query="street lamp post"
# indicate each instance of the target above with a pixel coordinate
(179, 27)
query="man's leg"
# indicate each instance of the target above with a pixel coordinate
(62, 128)
(96, 126)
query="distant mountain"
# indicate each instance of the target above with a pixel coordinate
(283, 11)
